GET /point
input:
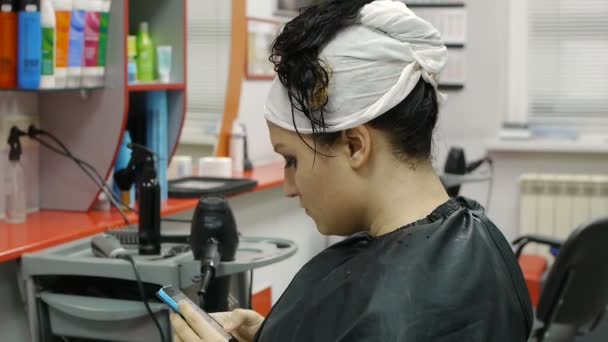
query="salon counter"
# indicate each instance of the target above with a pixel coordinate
(48, 228)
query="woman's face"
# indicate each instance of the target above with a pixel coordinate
(323, 184)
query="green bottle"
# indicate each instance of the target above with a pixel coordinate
(145, 54)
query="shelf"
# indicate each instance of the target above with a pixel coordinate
(435, 5)
(454, 45)
(451, 86)
(152, 86)
(50, 90)
(167, 24)
(582, 145)
(290, 14)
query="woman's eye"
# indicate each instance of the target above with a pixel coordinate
(290, 162)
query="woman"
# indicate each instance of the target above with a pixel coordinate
(353, 112)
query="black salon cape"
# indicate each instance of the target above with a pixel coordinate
(449, 277)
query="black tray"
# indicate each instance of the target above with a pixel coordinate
(195, 187)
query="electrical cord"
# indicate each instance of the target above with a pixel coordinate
(142, 294)
(33, 132)
(102, 186)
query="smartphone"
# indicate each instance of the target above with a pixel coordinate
(171, 295)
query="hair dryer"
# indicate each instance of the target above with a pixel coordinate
(213, 238)
(456, 164)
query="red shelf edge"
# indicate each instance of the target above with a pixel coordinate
(156, 86)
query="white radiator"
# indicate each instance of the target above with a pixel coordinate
(555, 204)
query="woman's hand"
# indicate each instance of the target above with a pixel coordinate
(242, 324)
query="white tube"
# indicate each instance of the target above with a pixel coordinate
(164, 60)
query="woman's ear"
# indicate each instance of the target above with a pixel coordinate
(357, 145)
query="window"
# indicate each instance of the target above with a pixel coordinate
(559, 62)
(209, 25)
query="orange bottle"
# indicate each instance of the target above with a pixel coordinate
(8, 44)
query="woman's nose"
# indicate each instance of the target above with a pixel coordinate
(289, 188)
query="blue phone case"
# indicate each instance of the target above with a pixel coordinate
(162, 295)
(171, 295)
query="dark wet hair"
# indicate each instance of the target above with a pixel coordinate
(295, 54)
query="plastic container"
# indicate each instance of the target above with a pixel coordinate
(220, 167)
(30, 45)
(132, 62)
(8, 44)
(180, 167)
(63, 14)
(237, 149)
(92, 24)
(15, 193)
(76, 43)
(47, 15)
(145, 54)
(164, 60)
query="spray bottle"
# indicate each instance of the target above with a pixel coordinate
(15, 180)
(142, 169)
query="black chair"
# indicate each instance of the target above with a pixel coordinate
(575, 292)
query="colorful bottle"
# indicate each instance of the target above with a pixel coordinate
(30, 45)
(8, 44)
(76, 43)
(132, 62)
(91, 43)
(47, 15)
(145, 54)
(63, 14)
(103, 40)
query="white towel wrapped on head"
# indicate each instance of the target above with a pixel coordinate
(374, 64)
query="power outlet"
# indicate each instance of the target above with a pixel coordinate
(20, 120)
